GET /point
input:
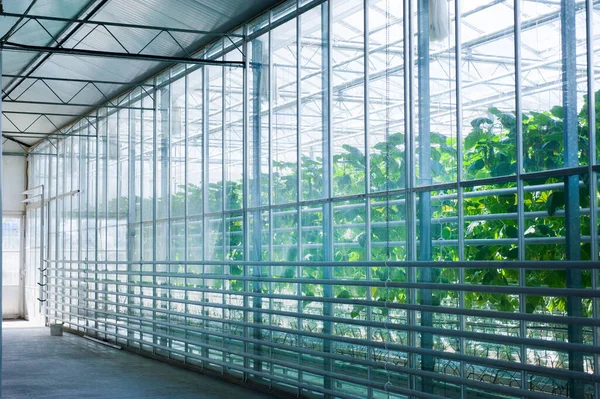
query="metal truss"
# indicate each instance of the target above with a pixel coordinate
(41, 116)
(128, 53)
(107, 97)
(57, 44)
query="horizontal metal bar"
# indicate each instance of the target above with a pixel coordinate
(42, 154)
(11, 46)
(37, 134)
(30, 190)
(499, 264)
(496, 289)
(86, 113)
(41, 113)
(27, 200)
(118, 24)
(58, 79)
(14, 154)
(67, 194)
(579, 170)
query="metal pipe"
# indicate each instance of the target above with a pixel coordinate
(11, 46)
(500, 264)
(74, 80)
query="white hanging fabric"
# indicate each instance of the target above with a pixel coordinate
(439, 23)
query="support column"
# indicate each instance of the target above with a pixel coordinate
(327, 85)
(258, 68)
(572, 211)
(424, 148)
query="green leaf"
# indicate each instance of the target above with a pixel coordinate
(494, 111)
(481, 120)
(289, 272)
(511, 232)
(477, 165)
(344, 294)
(345, 181)
(352, 150)
(396, 139)
(502, 169)
(473, 138)
(555, 201)
(356, 311)
(437, 168)
(437, 138)
(557, 111)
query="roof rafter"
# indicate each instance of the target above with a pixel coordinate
(11, 46)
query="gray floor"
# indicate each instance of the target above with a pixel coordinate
(36, 365)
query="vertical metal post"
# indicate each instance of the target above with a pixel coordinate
(225, 205)
(96, 218)
(427, 361)
(410, 175)
(366, 120)
(165, 190)
(245, 188)
(327, 26)
(131, 217)
(155, 106)
(459, 178)
(299, 174)
(205, 183)
(593, 177)
(520, 183)
(258, 69)
(572, 211)
(270, 95)
(185, 205)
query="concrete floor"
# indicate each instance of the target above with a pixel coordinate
(36, 365)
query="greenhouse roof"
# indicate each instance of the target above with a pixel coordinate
(62, 59)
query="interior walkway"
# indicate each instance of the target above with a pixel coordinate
(37, 365)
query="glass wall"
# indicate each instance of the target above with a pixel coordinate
(390, 199)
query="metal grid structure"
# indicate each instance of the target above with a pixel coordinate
(329, 206)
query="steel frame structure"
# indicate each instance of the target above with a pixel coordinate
(57, 46)
(139, 296)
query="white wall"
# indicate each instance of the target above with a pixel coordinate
(13, 183)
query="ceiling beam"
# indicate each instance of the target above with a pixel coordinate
(11, 46)
(92, 106)
(52, 78)
(42, 113)
(36, 135)
(120, 25)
